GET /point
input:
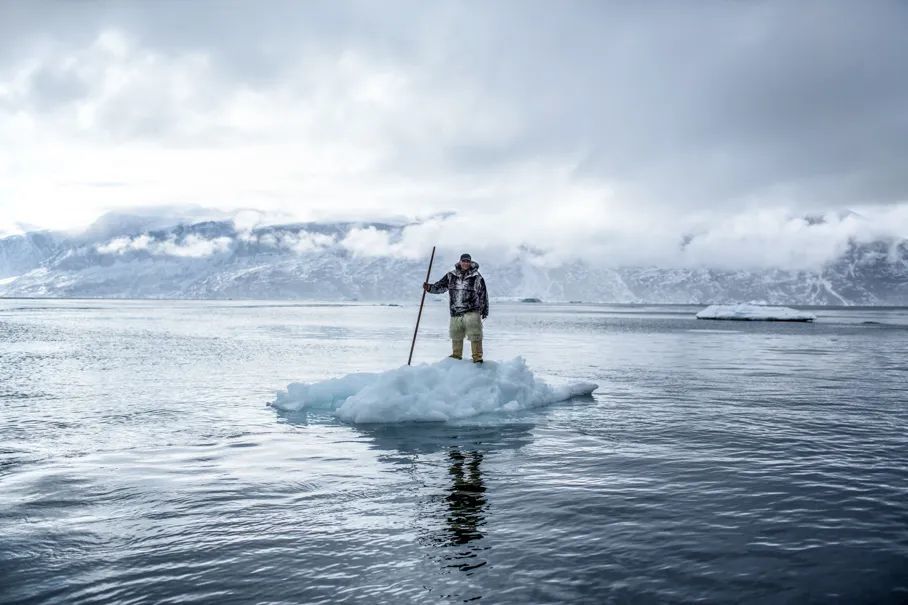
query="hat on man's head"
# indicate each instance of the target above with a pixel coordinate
(465, 256)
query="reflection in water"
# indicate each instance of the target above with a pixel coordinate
(455, 507)
(432, 438)
(466, 508)
(443, 464)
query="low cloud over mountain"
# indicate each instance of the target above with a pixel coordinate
(246, 258)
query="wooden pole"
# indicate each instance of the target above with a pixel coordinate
(421, 302)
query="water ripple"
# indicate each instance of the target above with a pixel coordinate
(139, 463)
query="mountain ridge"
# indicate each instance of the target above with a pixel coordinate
(315, 261)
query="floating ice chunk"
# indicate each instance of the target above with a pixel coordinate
(446, 390)
(754, 313)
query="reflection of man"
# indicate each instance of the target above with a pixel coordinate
(469, 304)
(466, 500)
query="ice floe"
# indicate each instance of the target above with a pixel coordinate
(449, 389)
(745, 312)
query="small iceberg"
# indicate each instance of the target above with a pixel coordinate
(449, 389)
(742, 312)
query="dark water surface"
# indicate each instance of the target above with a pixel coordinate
(719, 461)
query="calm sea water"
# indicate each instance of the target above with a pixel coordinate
(719, 461)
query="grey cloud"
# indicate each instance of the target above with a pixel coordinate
(52, 86)
(728, 100)
(691, 105)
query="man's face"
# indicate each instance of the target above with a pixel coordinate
(465, 264)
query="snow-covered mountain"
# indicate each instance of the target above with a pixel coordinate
(126, 257)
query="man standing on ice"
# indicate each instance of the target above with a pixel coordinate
(469, 303)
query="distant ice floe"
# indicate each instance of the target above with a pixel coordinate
(754, 313)
(449, 389)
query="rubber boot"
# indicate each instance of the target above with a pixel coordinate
(476, 345)
(457, 348)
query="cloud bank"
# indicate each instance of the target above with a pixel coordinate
(762, 239)
(718, 134)
(191, 246)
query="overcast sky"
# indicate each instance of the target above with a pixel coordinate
(631, 132)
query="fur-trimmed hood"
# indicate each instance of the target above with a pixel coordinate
(474, 268)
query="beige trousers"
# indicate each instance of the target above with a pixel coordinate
(469, 325)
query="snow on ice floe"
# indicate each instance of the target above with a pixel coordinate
(754, 313)
(449, 389)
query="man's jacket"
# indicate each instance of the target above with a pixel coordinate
(466, 290)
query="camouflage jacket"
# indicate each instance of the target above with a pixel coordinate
(466, 290)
